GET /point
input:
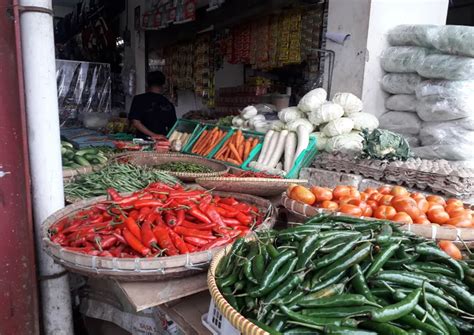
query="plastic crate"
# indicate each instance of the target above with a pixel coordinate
(217, 323)
(188, 148)
(252, 153)
(187, 126)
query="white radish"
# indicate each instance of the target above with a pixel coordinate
(290, 148)
(303, 141)
(266, 143)
(278, 152)
(271, 148)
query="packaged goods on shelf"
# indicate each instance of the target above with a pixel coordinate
(401, 122)
(447, 67)
(400, 83)
(401, 102)
(402, 59)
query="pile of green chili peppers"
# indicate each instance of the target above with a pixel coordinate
(345, 275)
(184, 167)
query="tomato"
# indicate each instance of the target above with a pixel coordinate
(384, 212)
(460, 221)
(364, 196)
(302, 194)
(321, 193)
(290, 187)
(423, 205)
(351, 210)
(437, 199)
(417, 195)
(434, 205)
(370, 190)
(376, 196)
(438, 216)
(372, 203)
(452, 206)
(399, 190)
(454, 201)
(341, 191)
(458, 212)
(450, 248)
(386, 200)
(385, 189)
(422, 219)
(331, 205)
(402, 217)
(347, 200)
(354, 192)
(398, 198)
(407, 205)
(368, 211)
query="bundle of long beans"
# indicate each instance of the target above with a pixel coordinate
(122, 177)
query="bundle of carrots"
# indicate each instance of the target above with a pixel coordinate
(237, 148)
(207, 141)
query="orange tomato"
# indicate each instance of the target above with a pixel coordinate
(454, 201)
(370, 190)
(290, 187)
(386, 200)
(341, 191)
(422, 219)
(434, 205)
(351, 210)
(450, 248)
(372, 203)
(354, 192)
(364, 196)
(302, 194)
(402, 217)
(417, 195)
(384, 189)
(438, 216)
(460, 221)
(423, 205)
(376, 196)
(407, 205)
(368, 211)
(436, 199)
(398, 198)
(458, 211)
(399, 190)
(321, 193)
(347, 200)
(385, 212)
(331, 205)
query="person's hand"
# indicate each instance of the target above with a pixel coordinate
(158, 137)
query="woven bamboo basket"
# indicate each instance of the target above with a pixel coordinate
(70, 173)
(430, 231)
(264, 187)
(140, 269)
(153, 159)
(235, 318)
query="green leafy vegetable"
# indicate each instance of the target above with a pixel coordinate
(384, 144)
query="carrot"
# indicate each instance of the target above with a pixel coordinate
(206, 141)
(248, 146)
(198, 142)
(211, 143)
(224, 147)
(255, 142)
(239, 138)
(235, 152)
(233, 161)
(240, 150)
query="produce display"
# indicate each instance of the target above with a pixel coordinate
(157, 221)
(184, 167)
(348, 275)
(250, 174)
(181, 137)
(73, 159)
(388, 203)
(122, 177)
(208, 141)
(237, 148)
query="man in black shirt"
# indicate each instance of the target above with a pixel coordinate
(151, 113)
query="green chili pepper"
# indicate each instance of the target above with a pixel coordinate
(381, 259)
(230, 279)
(329, 291)
(306, 250)
(461, 294)
(247, 266)
(265, 327)
(336, 330)
(258, 266)
(234, 251)
(449, 323)
(340, 312)
(397, 263)
(227, 293)
(278, 323)
(319, 285)
(353, 257)
(335, 256)
(413, 322)
(286, 270)
(431, 251)
(275, 265)
(385, 233)
(396, 311)
(310, 321)
(462, 325)
(272, 251)
(359, 284)
(431, 267)
(408, 279)
(301, 331)
(383, 328)
(337, 301)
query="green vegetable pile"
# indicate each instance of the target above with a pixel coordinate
(184, 167)
(225, 121)
(73, 159)
(345, 275)
(384, 144)
(122, 177)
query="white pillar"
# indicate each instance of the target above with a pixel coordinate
(37, 38)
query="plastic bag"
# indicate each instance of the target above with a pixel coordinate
(445, 133)
(415, 35)
(401, 122)
(402, 59)
(442, 100)
(457, 152)
(456, 40)
(337, 127)
(321, 140)
(447, 67)
(364, 121)
(401, 102)
(349, 102)
(400, 83)
(412, 140)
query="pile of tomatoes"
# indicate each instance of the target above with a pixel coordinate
(391, 203)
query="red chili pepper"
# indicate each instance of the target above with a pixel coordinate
(119, 237)
(143, 212)
(147, 203)
(74, 226)
(135, 243)
(189, 218)
(217, 199)
(241, 207)
(244, 232)
(93, 252)
(229, 201)
(215, 217)
(230, 212)
(170, 218)
(105, 253)
(199, 226)
(107, 242)
(244, 219)
(204, 203)
(148, 238)
(158, 185)
(194, 211)
(178, 242)
(205, 234)
(116, 251)
(59, 239)
(191, 247)
(164, 240)
(134, 214)
(180, 214)
(127, 201)
(59, 226)
(159, 220)
(133, 227)
(196, 241)
(216, 243)
(231, 222)
(113, 194)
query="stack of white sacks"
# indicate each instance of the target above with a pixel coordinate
(431, 79)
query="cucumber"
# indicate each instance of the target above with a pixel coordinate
(90, 157)
(81, 161)
(69, 154)
(94, 161)
(83, 152)
(74, 165)
(67, 144)
(63, 150)
(102, 160)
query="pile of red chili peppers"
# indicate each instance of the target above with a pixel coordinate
(157, 221)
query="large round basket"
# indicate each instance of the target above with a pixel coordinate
(265, 187)
(235, 318)
(70, 173)
(153, 159)
(138, 269)
(430, 231)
